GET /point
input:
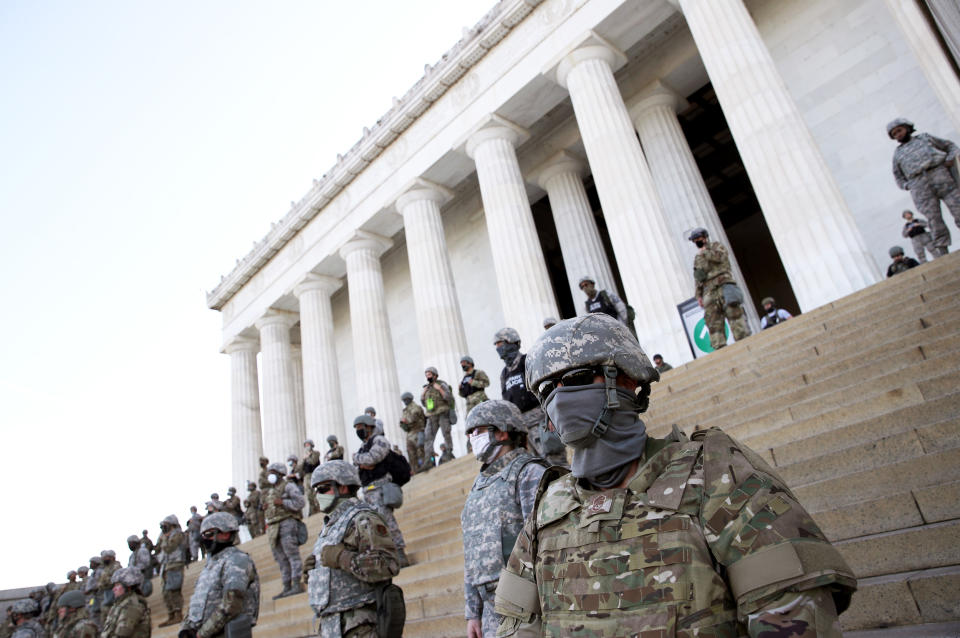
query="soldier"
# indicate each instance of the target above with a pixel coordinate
(336, 450)
(82, 572)
(602, 300)
(217, 503)
(172, 544)
(372, 470)
(372, 413)
(129, 616)
(309, 462)
(771, 314)
(51, 619)
(916, 231)
(437, 400)
(283, 507)
(193, 532)
(499, 501)
(549, 322)
(413, 422)
(353, 558)
(473, 383)
(254, 513)
(264, 474)
(661, 365)
(294, 476)
(24, 615)
(228, 588)
(642, 523)
(711, 272)
(232, 504)
(71, 621)
(145, 539)
(445, 454)
(540, 440)
(924, 165)
(90, 590)
(900, 263)
(108, 565)
(139, 558)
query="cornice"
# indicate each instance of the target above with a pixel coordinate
(436, 80)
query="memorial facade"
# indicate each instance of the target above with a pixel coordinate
(562, 138)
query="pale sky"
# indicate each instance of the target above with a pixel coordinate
(144, 146)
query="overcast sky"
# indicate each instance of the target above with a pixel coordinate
(144, 146)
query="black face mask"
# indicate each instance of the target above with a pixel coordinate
(465, 368)
(213, 546)
(407, 402)
(431, 379)
(132, 547)
(508, 351)
(700, 242)
(362, 434)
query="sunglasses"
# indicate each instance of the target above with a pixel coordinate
(575, 377)
(210, 533)
(323, 488)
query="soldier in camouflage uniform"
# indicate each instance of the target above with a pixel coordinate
(71, 621)
(336, 450)
(139, 557)
(90, 590)
(193, 533)
(924, 165)
(305, 467)
(372, 470)
(657, 537)
(172, 544)
(254, 514)
(283, 507)
(232, 505)
(108, 566)
(354, 555)
(217, 503)
(129, 616)
(473, 383)
(501, 498)
(413, 422)
(437, 400)
(70, 585)
(661, 365)
(900, 263)
(916, 231)
(264, 474)
(26, 624)
(711, 271)
(513, 388)
(227, 587)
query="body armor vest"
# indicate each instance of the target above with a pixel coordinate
(492, 519)
(209, 590)
(602, 303)
(465, 388)
(275, 513)
(513, 386)
(379, 470)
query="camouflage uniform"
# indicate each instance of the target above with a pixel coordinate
(90, 590)
(335, 453)
(282, 525)
(193, 534)
(916, 231)
(31, 626)
(922, 165)
(262, 481)
(76, 626)
(437, 410)
(29, 629)
(711, 270)
(472, 388)
(305, 468)
(360, 556)
(140, 560)
(104, 586)
(501, 498)
(373, 452)
(413, 422)
(129, 617)
(254, 514)
(232, 506)
(172, 544)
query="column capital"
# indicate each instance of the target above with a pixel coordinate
(364, 240)
(323, 283)
(558, 164)
(273, 317)
(494, 128)
(653, 95)
(421, 189)
(589, 46)
(241, 344)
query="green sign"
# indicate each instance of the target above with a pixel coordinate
(701, 336)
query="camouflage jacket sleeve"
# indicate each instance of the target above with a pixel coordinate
(236, 576)
(377, 452)
(757, 530)
(480, 379)
(948, 147)
(292, 498)
(473, 604)
(369, 553)
(807, 614)
(898, 174)
(172, 549)
(128, 617)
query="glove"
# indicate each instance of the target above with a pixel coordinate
(330, 555)
(309, 564)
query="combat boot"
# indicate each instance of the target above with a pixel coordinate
(295, 588)
(286, 590)
(173, 618)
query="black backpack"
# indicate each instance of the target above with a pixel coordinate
(398, 466)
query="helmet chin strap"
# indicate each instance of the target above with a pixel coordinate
(613, 402)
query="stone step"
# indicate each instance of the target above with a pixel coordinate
(914, 548)
(905, 599)
(432, 585)
(431, 606)
(930, 630)
(437, 627)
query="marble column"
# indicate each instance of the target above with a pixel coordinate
(281, 432)
(583, 253)
(246, 437)
(439, 322)
(653, 278)
(322, 403)
(526, 293)
(820, 246)
(374, 360)
(683, 193)
(933, 61)
(296, 361)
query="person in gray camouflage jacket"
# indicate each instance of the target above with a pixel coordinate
(228, 586)
(501, 498)
(282, 508)
(353, 555)
(371, 467)
(24, 615)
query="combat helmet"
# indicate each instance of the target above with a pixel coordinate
(108, 553)
(83, 570)
(896, 250)
(503, 415)
(171, 519)
(549, 322)
(333, 439)
(127, 576)
(467, 358)
(364, 419)
(697, 233)
(26, 607)
(369, 410)
(73, 599)
(220, 521)
(339, 472)
(585, 279)
(279, 468)
(95, 561)
(70, 573)
(433, 370)
(509, 335)
(768, 300)
(403, 397)
(231, 491)
(900, 121)
(133, 540)
(309, 442)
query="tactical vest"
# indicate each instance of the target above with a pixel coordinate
(513, 386)
(172, 546)
(209, 590)
(492, 520)
(332, 591)
(465, 388)
(276, 513)
(379, 470)
(142, 630)
(772, 318)
(76, 627)
(602, 303)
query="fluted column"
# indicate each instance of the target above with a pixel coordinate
(683, 193)
(245, 435)
(526, 293)
(653, 278)
(933, 61)
(439, 322)
(583, 254)
(281, 432)
(296, 366)
(821, 248)
(374, 361)
(322, 403)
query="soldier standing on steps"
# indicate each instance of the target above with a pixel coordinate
(353, 557)
(90, 590)
(640, 523)
(437, 400)
(193, 533)
(305, 467)
(71, 622)
(232, 504)
(413, 422)
(335, 452)
(254, 514)
(500, 500)
(900, 262)
(173, 545)
(283, 506)
(473, 383)
(264, 474)
(228, 588)
(711, 272)
(108, 565)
